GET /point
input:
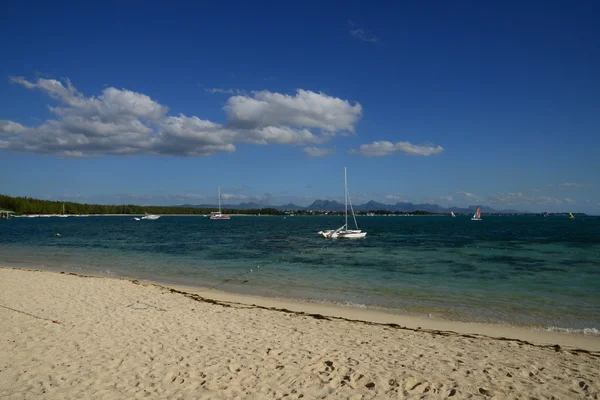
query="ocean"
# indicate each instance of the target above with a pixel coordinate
(522, 270)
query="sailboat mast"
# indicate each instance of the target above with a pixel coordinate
(219, 195)
(345, 198)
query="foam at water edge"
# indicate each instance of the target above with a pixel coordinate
(325, 302)
(585, 331)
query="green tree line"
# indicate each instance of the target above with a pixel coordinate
(29, 205)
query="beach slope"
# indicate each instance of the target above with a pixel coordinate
(64, 336)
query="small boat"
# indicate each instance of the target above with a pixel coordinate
(135, 219)
(571, 216)
(217, 214)
(343, 232)
(63, 215)
(477, 215)
(452, 214)
(151, 216)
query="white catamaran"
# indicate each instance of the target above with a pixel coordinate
(343, 232)
(477, 215)
(150, 216)
(217, 214)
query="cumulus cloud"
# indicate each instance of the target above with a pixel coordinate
(123, 122)
(7, 127)
(317, 151)
(384, 148)
(305, 109)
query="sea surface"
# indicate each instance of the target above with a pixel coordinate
(531, 271)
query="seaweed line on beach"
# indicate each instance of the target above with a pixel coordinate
(433, 332)
(196, 297)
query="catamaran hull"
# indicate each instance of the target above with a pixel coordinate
(342, 235)
(219, 217)
(475, 219)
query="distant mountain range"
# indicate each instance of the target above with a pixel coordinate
(332, 205)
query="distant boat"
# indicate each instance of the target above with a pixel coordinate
(452, 213)
(217, 214)
(63, 215)
(151, 216)
(343, 232)
(135, 219)
(477, 215)
(571, 216)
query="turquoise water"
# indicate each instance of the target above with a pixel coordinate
(542, 272)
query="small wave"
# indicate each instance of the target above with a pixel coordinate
(331, 303)
(585, 331)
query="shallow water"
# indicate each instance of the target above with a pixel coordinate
(534, 271)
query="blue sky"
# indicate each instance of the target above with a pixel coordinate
(455, 103)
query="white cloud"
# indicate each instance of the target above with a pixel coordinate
(123, 122)
(280, 135)
(470, 197)
(395, 197)
(229, 196)
(317, 151)
(225, 91)
(519, 198)
(384, 148)
(574, 185)
(306, 109)
(10, 127)
(361, 34)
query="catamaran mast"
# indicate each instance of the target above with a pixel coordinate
(219, 195)
(346, 198)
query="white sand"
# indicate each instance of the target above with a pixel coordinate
(117, 339)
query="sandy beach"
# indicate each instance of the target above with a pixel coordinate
(64, 336)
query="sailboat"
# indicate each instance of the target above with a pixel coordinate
(452, 214)
(63, 215)
(571, 216)
(217, 214)
(477, 215)
(150, 216)
(343, 232)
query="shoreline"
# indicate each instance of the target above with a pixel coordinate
(71, 336)
(538, 337)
